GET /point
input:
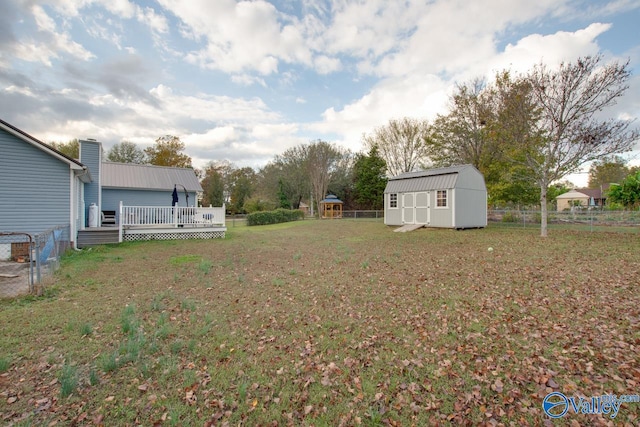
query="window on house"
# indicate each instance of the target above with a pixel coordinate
(441, 198)
(393, 200)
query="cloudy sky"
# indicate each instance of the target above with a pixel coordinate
(245, 80)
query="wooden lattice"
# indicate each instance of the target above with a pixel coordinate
(174, 236)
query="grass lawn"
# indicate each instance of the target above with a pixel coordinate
(328, 323)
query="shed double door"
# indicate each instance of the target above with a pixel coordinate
(415, 208)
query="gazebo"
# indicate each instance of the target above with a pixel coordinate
(331, 207)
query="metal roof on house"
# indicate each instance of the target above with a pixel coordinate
(130, 175)
(432, 179)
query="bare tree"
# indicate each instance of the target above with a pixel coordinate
(555, 119)
(322, 161)
(403, 144)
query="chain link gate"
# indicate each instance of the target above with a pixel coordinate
(16, 264)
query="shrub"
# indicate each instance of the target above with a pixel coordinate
(274, 217)
(510, 217)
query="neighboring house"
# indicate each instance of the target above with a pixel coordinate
(453, 197)
(40, 188)
(304, 208)
(583, 197)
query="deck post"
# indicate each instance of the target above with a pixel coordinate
(175, 216)
(120, 216)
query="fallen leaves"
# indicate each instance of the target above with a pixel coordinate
(473, 340)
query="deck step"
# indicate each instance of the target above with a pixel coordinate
(96, 237)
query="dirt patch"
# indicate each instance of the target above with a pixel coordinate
(14, 279)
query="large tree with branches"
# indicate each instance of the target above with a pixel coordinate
(322, 161)
(554, 119)
(403, 144)
(126, 152)
(168, 151)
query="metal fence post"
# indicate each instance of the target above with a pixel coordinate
(38, 275)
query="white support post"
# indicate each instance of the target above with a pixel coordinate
(175, 216)
(120, 216)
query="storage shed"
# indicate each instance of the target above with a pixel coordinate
(453, 197)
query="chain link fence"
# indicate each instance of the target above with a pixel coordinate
(369, 214)
(27, 259)
(579, 219)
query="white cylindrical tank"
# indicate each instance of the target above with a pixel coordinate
(94, 215)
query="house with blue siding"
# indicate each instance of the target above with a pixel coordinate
(41, 188)
(147, 185)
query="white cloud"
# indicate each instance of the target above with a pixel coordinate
(211, 137)
(240, 37)
(122, 8)
(155, 21)
(266, 131)
(49, 43)
(413, 92)
(43, 21)
(25, 91)
(413, 96)
(409, 53)
(326, 65)
(552, 49)
(248, 80)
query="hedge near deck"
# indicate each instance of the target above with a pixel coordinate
(274, 217)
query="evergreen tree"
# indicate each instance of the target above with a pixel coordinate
(370, 180)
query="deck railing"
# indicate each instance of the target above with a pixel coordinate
(170, 216)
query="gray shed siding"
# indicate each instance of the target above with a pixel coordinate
(392, 216)
(34, 187)
(466, 198)
(467, 212)
(443, 217)
(471, 199)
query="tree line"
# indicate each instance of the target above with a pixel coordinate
(524, 133)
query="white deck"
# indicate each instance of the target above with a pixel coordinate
(169, 222)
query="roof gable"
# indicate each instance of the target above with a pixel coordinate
(432, 172)
(149, 177)
(573, 194)
(427, 180)
(73, 163)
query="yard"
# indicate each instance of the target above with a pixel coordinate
(328, 323)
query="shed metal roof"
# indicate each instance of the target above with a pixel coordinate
(129, 175)
(427, 180)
